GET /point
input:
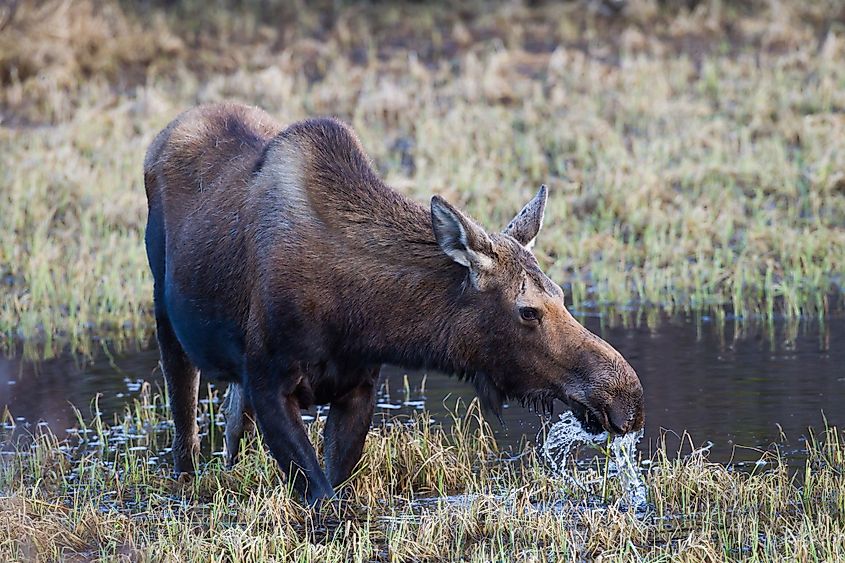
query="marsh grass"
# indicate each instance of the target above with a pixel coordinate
(422, 492)
(695, 157)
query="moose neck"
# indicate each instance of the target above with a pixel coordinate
(441, 332)
(432, 323)
(414, 307)
(401, 299)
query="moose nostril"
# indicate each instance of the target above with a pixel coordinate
(619, 417)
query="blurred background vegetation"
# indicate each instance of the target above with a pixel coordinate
(695, 151)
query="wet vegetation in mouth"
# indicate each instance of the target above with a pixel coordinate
(420, 493)
(694, 156)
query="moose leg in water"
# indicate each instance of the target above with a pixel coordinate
(239, 420)
(183, 380)
(277, 399)
(346, 428)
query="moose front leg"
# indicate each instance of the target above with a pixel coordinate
(277, 414)
(346, 428)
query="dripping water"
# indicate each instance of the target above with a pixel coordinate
(567, 433)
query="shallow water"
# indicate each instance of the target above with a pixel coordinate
(736, 390)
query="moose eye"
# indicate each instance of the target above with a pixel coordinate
(529, 314)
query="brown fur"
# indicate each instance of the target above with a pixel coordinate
(283, 263)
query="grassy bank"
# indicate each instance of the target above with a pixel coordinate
(78, 501)
(696, 158)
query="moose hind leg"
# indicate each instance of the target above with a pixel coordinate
(346, 428)
(182, 379)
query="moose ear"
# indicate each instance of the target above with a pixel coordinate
(459, 237)
(527, 223)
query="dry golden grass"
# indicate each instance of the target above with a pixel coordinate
(696, 159)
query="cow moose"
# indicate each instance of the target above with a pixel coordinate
(283, 263)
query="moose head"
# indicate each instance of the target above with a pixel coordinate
(531, 348)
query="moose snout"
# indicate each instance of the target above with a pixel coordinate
(617, 412)
(612, 396)
(623, 406)
(624, 413)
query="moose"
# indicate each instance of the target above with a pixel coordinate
(282, 263)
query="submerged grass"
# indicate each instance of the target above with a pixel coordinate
(421, 492)
(695, 156)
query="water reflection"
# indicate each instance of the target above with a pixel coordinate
(737, 386)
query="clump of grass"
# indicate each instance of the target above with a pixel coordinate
(687, 171)
(67, 499)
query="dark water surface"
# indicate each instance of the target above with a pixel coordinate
(737, 386)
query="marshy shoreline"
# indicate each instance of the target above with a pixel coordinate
(420, 493)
